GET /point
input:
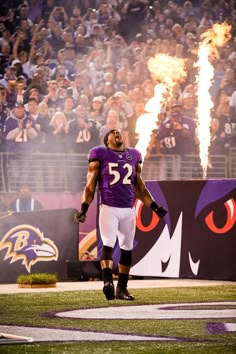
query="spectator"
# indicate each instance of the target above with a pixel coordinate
(32, 109)
(227, 84)
(34, 10)
(176, 135)
(81, 46)
(219, 72)
(5, 34)
(43, 118)
(52, 98)
(42, 124)
(104, 13)
(19, 131)
(84, 101)
(25, 201)
(133, 12)
(227, 124)
(107, 88)
(97, 111)
(21, 53)
(217, 146)
(11, 93)
(58, 17)
(188, 105)
(82, 135)
(56, 35)
(20, 136)
(39, 81)
(9, 74)
(20, 88)
(113, 122)
(124, 107)
(47, 8)
(90, 19)
(5, 56)
(68, 108)
(3, 116)
(96, 72)
(23, 15)
(18, 67)
(61, 60)
(78, 85)
(75, 20)
(3, 96)
(232, 105)
(58, 129)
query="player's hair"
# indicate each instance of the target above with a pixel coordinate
(105, 140)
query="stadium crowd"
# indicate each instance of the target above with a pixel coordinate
(72, 70)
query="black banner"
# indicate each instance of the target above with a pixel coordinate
(196, 239)
(37, 241)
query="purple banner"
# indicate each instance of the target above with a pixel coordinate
(37, 241)
(197, 238)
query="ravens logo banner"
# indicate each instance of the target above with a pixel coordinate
(37, 241)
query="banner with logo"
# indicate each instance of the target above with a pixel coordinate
(37, 241)
(196, 239)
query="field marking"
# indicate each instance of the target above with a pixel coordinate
(61, 335)
(202, 310)
(155, 312)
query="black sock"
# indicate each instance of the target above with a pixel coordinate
(123, 280)
(107, 275)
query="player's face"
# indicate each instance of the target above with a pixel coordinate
(115, 139)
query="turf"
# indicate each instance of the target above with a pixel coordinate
(33, 309)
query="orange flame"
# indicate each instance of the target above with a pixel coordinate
(165, 70)
(215, 37)
(147, 122)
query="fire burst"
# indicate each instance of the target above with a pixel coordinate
(206, 72)
(166, 70)
(217, 36)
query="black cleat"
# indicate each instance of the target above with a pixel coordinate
(123, 294)
(109, 291)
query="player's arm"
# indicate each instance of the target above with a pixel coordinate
(89, 191)
(145, 196)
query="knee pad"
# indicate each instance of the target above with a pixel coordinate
(126, 257)
(107, 253)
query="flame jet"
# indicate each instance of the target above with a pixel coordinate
(166, 71)
(212, 39)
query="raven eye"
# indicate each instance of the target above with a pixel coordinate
(153, 223)
(230, 207)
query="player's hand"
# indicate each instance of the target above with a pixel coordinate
(79, 217)
(161, 212)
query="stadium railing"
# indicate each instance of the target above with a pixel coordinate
(67, 172)
(232, 163)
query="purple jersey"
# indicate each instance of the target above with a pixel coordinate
(172, 141)
(117, 175)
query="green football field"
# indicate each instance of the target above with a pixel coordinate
(164, 320)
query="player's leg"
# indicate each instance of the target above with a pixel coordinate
(106, 266)
(108, 224)
(126, 235)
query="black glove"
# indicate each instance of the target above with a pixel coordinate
(80, 216)
(159, 210)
